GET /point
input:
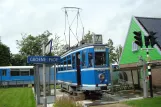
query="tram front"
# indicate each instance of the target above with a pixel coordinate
(101, 66)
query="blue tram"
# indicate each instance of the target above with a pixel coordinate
(85, 68)
(16, 75)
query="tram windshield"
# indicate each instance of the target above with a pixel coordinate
(100, 58)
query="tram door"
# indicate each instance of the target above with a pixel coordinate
(78, 68)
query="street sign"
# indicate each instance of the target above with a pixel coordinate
(43, 59)
(48, 47)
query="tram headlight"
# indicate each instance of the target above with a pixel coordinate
(101, 76)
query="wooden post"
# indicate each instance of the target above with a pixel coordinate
(132, 79)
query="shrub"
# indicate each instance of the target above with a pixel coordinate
(57, 86)
(65, 101)
(30, 85)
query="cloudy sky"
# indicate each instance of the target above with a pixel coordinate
(111, 18)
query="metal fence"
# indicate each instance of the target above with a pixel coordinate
(16, 83)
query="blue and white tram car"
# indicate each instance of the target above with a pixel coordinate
(85, 68)
(16, 75)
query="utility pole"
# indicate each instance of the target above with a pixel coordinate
(149, 74)
(111, 72)
(150, 40)
(44, 78)
(55, 81)
(143, 66)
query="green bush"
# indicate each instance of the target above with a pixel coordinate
(65, 101)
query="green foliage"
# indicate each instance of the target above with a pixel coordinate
(148, 102)
(88, 38)
(58, 47)
(4, 55)
(17, 97)
(18, 60)
(65, 101)
(114, 52)
(112, 56)
(118, 52)
(32, 45)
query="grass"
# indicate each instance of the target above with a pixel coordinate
(148, 102)
(65, 101)
(57, 86)
(16, 97)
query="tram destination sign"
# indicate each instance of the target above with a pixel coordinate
(43, 59)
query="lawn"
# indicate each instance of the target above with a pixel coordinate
(148, 102)
(16, 97)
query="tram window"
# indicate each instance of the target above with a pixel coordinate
(31, 72)
(84, 58)
(68, 57)
(59, 67)
(100, 58)
(73, 61)
(65, 65)
(15, 73)
(90, 59)
(69, 64)
(4, 73)
(24, 73)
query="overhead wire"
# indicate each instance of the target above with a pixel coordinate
(65, 28)
(77, 23)
(82, 24)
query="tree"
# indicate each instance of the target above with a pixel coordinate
(57, 46)
(112, 54)
(17, 60)
(32, 45)
(87, 38)
(4, 55)
(118, 52)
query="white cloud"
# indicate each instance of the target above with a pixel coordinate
(108, 17)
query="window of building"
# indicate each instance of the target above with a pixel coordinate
(90, 59)
(73, 61)
(84, 58)
(134, 46)
(100, 58)
(15, 73)
(4, 72)
(24, 73)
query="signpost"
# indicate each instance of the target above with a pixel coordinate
(142, 64)
(45, 60)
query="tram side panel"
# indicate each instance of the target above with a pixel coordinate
(5, 74)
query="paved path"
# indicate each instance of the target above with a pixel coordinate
(113, 105)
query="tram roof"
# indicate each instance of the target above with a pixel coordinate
(16, 67)
(80, 47)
